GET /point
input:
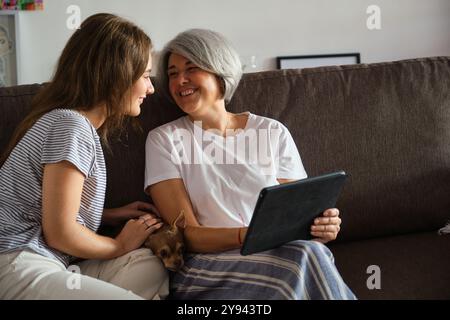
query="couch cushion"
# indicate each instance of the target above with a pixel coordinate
(14, 106)
(386, 124)
(411, 266)
(126, 161)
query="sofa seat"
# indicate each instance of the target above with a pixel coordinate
(407, 266)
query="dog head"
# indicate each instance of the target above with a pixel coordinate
(167, 243)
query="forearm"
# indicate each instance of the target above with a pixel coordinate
(118, 216)
(78, 241)
(209, 240)
(109, 218)
(171, 198)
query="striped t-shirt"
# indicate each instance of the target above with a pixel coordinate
(59, 135)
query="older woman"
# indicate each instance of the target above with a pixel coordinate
(211, 164)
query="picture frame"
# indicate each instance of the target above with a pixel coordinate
(312, 61)
(8, 49)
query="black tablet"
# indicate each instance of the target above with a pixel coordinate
(285, 212)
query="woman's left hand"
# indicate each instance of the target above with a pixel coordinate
(134, 210)
(326, 227)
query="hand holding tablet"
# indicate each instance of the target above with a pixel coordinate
(285, 212)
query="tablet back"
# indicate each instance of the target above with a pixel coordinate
(285, 212)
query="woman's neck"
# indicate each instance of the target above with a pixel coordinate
(96, 115)
(215, 118)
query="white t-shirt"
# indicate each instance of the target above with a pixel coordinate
(222, 175)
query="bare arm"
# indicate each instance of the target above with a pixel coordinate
(170, 197)
(61, 197)
(281, 181)
(117, 216)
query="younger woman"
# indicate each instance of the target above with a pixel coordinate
(53, 177)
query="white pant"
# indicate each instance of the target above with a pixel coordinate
(136, 275)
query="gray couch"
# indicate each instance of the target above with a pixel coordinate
(386, 124)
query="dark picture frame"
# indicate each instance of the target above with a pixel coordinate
(312, 61)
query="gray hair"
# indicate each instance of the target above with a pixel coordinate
(210, 51)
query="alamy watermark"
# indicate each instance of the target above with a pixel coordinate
(73, 282)
(374, 20)
(74, 20)
(251, 146)
(374, 281)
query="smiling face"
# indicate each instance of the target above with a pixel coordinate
(193, 89)
(141, 88)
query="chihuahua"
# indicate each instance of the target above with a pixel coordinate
(167, 243)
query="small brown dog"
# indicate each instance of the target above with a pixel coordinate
(167, 243)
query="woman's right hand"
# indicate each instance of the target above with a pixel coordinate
(136, 231)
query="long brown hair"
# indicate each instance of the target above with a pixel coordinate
(99, 65)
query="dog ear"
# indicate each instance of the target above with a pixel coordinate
(180, 221)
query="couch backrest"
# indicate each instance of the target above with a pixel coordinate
(386, 124)
(14, 106)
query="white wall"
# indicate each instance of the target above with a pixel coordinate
(264, 28)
